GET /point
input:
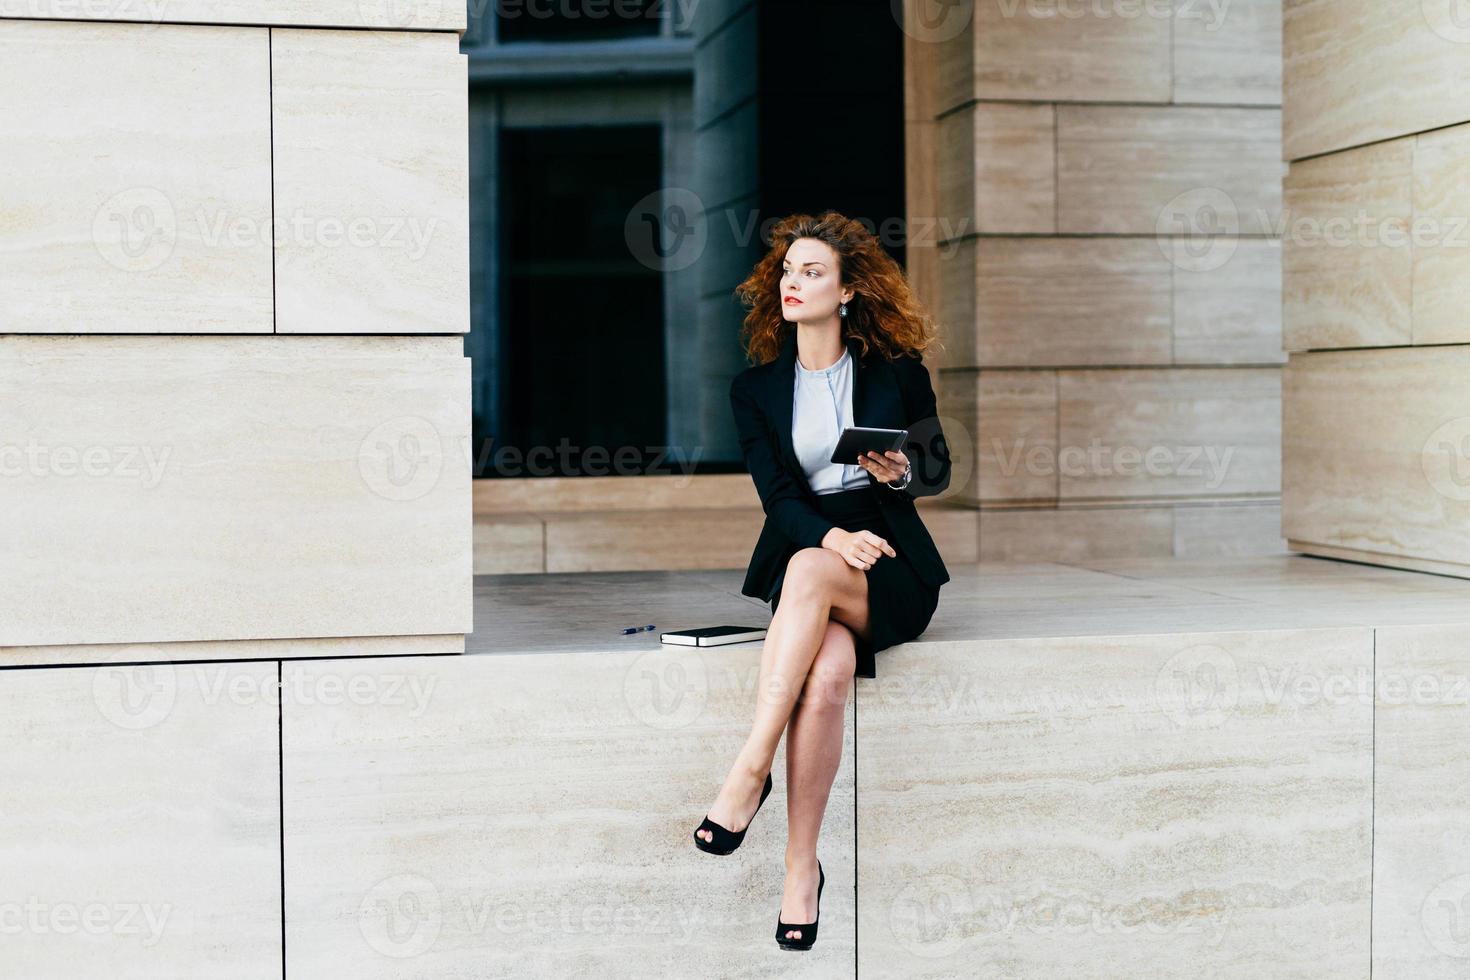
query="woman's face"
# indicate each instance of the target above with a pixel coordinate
(811, 287)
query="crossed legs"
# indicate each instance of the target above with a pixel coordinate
(807, 664)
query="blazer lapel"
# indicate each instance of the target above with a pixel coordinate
(783, 394)
(862, 381)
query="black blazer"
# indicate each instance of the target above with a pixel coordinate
(886, 394)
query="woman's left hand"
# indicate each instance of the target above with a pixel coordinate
(886, 468)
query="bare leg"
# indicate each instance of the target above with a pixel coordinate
(818, 585)
(813, 752)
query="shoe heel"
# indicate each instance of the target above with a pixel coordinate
(808, 929)
(725, 841)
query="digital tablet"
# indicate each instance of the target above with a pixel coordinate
(856, 441)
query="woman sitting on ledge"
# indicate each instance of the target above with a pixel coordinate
(837, 338)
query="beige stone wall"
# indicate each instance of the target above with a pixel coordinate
(1377, 252)
(1376, 408)
(1106, 179)
(234, 407)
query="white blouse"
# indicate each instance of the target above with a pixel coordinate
(821, 409)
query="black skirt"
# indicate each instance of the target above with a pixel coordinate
(900, 603)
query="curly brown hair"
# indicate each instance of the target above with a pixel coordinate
(884, 314)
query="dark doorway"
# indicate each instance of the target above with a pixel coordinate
(583, 349)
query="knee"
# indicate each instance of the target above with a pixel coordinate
(832, 669)
(811, 570)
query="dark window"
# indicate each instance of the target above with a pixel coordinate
(852, 150)
(576, 20)
(584, 354)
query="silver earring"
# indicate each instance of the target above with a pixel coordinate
(842, 310)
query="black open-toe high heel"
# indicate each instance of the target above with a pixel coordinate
(724, 841)
(808, 929)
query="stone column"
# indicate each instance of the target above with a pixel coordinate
(1106, 185)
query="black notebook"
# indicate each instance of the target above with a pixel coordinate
(713, 636)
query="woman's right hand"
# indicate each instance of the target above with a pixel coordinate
(860, 549)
